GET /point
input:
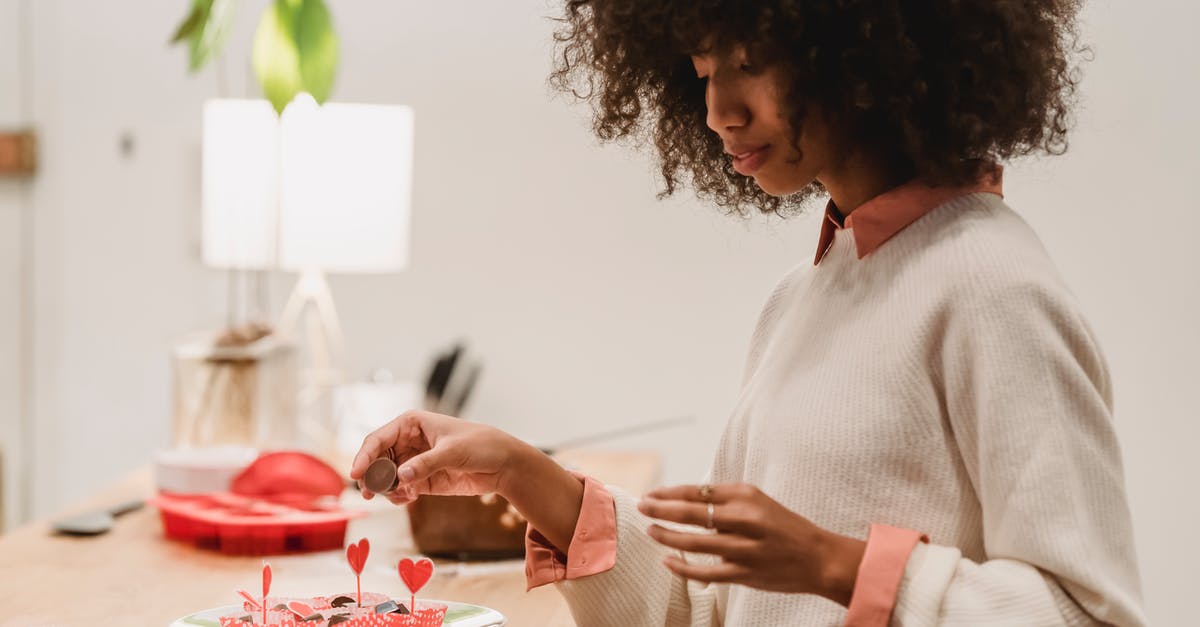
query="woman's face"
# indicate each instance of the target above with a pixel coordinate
(744, 110)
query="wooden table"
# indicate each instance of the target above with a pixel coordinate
(134, 576)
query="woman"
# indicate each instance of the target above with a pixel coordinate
(923, 434)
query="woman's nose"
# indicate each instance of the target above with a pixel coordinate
(725, 109)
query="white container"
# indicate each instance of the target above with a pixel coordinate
(200, 470)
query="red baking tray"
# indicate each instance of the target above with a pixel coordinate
(284, 502)
(240, 525)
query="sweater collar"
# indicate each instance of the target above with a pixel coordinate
(885, 215)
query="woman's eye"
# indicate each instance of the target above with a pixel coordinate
(747, 68)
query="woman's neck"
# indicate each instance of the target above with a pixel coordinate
(860, 177)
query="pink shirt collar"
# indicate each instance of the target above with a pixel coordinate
(885, 215)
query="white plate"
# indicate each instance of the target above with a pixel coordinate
(477, 616)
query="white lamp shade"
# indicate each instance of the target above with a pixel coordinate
(240, 188)
(346, 179)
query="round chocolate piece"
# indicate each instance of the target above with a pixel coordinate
(381, 476)
(342, 601)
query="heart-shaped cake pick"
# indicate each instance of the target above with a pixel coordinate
(415, 575)
(266, 589)
(301, 609)
(254, 604)
(356, 554)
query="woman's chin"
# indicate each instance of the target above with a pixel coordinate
(775, 187)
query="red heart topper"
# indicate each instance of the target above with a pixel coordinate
(254, 603)
(356, 554)
(415, 574)
(266, 589)
(303, 610)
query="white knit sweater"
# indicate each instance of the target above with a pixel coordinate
(945, 383)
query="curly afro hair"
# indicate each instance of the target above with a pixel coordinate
(950, 88)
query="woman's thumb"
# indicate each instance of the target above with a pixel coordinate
(420, 467)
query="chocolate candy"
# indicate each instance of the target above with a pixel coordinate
(387, 608)
(342, 601)
(381, 476)
(315, 616)
(338, 619)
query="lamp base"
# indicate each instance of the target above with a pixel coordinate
(310, 314)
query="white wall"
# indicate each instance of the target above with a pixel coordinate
(595, 305)
(13, 208)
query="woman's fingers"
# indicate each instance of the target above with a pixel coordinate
(676, 511)
(406, 431)
(725, 572)
(689, 513)
(718, 493)
(402, 495)
(728, 546)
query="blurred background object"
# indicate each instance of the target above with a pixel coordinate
(18, 153)
(200, 470)
(234, 391)
(346, 193)
(362, 406)
(321, 189)
(295, 48)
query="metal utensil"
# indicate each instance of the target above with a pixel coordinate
(95, 522)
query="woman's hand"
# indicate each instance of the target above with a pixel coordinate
(438, 454)
(760, 542)
(444, 455)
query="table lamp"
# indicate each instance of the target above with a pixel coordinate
(240, 197)
(319, 190)
(237, 386)
(345, 202)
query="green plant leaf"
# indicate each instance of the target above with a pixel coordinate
(318, 47)
(194, 20)
(207, 41)
(276, 57)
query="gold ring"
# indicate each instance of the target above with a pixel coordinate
(706, 493)
(710, 515)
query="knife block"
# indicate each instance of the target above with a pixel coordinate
(467, 527)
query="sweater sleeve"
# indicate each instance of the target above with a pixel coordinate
(639, 591)
(1029, 402)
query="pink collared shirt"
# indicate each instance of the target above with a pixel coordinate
(885, 215)
(593, 547)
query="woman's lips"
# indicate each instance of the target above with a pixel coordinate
(746, 163)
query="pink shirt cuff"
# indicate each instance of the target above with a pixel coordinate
(879, 575)
(593, 547)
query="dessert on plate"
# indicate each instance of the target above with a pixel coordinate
(357, 609)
